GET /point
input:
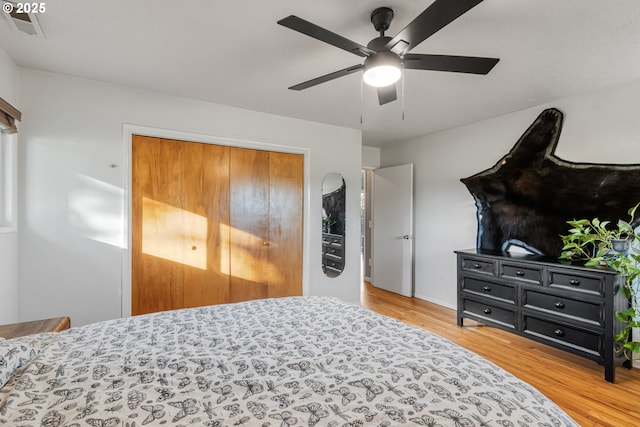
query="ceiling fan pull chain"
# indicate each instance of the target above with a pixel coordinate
(361, 102)
(403, 73)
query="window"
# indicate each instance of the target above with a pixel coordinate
(8, 160)
(7, 182)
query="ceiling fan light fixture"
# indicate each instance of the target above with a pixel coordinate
(382, 69)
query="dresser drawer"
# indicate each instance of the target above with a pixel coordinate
(490, 312)
(513, 271)
(585, 311)
(332, 250)
(331, 262)
(576, 282)
(478, 265)
(489, 289)
(583, 340)
(332, 240)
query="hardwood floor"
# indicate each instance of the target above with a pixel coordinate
(576, 384)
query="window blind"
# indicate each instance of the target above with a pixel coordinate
(8, 116)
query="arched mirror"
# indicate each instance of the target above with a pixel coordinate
(333, 224)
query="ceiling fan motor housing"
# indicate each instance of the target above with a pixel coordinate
(378, 43)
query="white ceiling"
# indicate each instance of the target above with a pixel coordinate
(232, 52)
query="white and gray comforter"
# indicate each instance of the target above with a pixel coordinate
(300, 361)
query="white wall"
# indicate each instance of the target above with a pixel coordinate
(9, 236)
(370, 157)
(599, 127)
(73, 159)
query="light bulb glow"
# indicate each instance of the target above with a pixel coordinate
(382, 69)
(382, 75)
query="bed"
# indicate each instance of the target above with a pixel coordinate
(298, 361)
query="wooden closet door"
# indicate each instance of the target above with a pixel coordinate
(156, 225)
(249, 225)
(266, 224)
(206, 196)
(286, 177)
(180, 216)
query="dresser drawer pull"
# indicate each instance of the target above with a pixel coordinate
(487, 311)
(477, 266)
(519, 273)
(486, 288)
(574, 282)
(559, 304)
(559, 332)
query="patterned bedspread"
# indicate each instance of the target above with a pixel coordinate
(300, 361)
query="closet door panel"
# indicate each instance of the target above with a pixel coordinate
(249, 224)
(157, 225)
(206, 199)
(286, 173)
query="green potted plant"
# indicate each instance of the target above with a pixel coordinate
(327, 223)
(599, 243)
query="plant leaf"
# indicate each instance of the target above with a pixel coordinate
(633, 346)
(622, 336)
(621, 316)
(593, 262)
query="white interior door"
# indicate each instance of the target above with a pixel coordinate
(393, 229)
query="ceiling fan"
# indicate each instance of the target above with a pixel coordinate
(385, 57)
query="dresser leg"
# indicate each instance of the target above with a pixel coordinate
(610, 373)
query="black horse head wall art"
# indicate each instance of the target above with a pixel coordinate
(527, 197)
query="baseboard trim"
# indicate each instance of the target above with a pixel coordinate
(435, 301)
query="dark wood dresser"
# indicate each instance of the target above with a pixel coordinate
(566, 306)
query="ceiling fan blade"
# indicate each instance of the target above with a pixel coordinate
(431, 20)
(327, 77)
(387, 94)
(456, 64)
(324, 35)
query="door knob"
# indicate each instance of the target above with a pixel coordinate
(406, 237)
(266, 244)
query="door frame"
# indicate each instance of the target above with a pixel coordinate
(128, 130)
